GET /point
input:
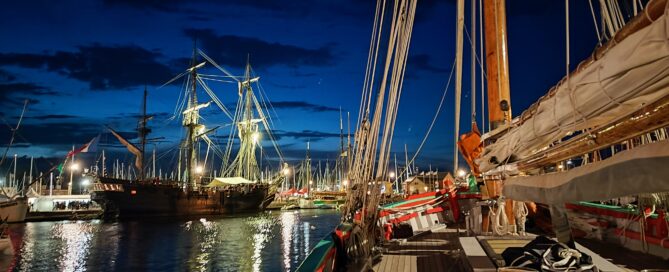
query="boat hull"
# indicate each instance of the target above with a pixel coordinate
(15, 210)
(133, 200)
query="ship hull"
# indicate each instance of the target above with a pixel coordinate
(129, 200)
(15, 210)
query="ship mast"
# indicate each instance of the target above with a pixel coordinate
(497, 59)
(143, 131)
(190, 121)
(245, 164)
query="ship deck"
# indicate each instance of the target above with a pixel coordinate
(435, 250)
(445, 249)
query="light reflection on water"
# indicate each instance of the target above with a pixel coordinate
(268, 241)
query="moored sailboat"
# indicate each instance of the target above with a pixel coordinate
(238, 189)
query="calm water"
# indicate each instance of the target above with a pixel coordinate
(268, 241)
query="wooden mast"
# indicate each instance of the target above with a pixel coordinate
(499, 97)
(497, 60)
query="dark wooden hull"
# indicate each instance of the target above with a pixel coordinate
(136, 200)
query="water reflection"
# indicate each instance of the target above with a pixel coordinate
(287, 222)
(275, 241)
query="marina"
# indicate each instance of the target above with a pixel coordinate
(400, 135)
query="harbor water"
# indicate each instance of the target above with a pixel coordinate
(266, 241)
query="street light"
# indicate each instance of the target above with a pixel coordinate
(199, 169)
(462, 173)
(74, 166)
(391, 174)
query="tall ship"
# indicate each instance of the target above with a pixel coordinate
(239, 187)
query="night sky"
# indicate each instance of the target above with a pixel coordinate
(84, 65)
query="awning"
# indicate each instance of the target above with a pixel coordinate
(640, 170)
(219, 182)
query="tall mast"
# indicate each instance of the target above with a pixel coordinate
(190, 121)
(472, 74)
(104, 166)
(341, 145)
(497, 59)
(245, 164)
(143, 132)
(458, 77)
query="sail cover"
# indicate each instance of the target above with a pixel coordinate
(640, 170)
(633, 73)
(219, 182)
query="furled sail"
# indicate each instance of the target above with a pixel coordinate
(628, 76)
(131, 147)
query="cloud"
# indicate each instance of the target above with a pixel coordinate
(422, 62)
(231, 50)
(17, 92)
(103, 67)
(60, 133)
(50, 116)
(302, 105)
(161, 5)
(6, 76)
(311, 135)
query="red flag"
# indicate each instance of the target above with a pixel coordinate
(91, 146)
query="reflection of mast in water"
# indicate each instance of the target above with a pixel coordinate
(287, 223)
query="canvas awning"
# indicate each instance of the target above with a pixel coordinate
(219, 182)
(639, 170)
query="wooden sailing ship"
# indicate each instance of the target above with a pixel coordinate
(599, 134)
(238, 188)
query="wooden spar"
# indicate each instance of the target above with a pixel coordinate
(458, 76)
(650, 118)
(497, 60)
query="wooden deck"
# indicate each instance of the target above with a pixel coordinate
(438, 250)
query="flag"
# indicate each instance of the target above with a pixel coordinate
(91, 146)
(131, 147)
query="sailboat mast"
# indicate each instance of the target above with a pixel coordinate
(499, 97)
(458, 77)
(143, 131)
(191, 117)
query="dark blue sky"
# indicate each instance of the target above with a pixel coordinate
(84, 64)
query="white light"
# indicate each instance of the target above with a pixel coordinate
(345, 182)
(461, 173)
(311, 182)
(74, 167)
(85, 182)
(286, 171)
(256, 137)
(425, 188)
(391, 174)
(199, 169)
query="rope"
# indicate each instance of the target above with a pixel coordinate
(594, 20)
(434, 120)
